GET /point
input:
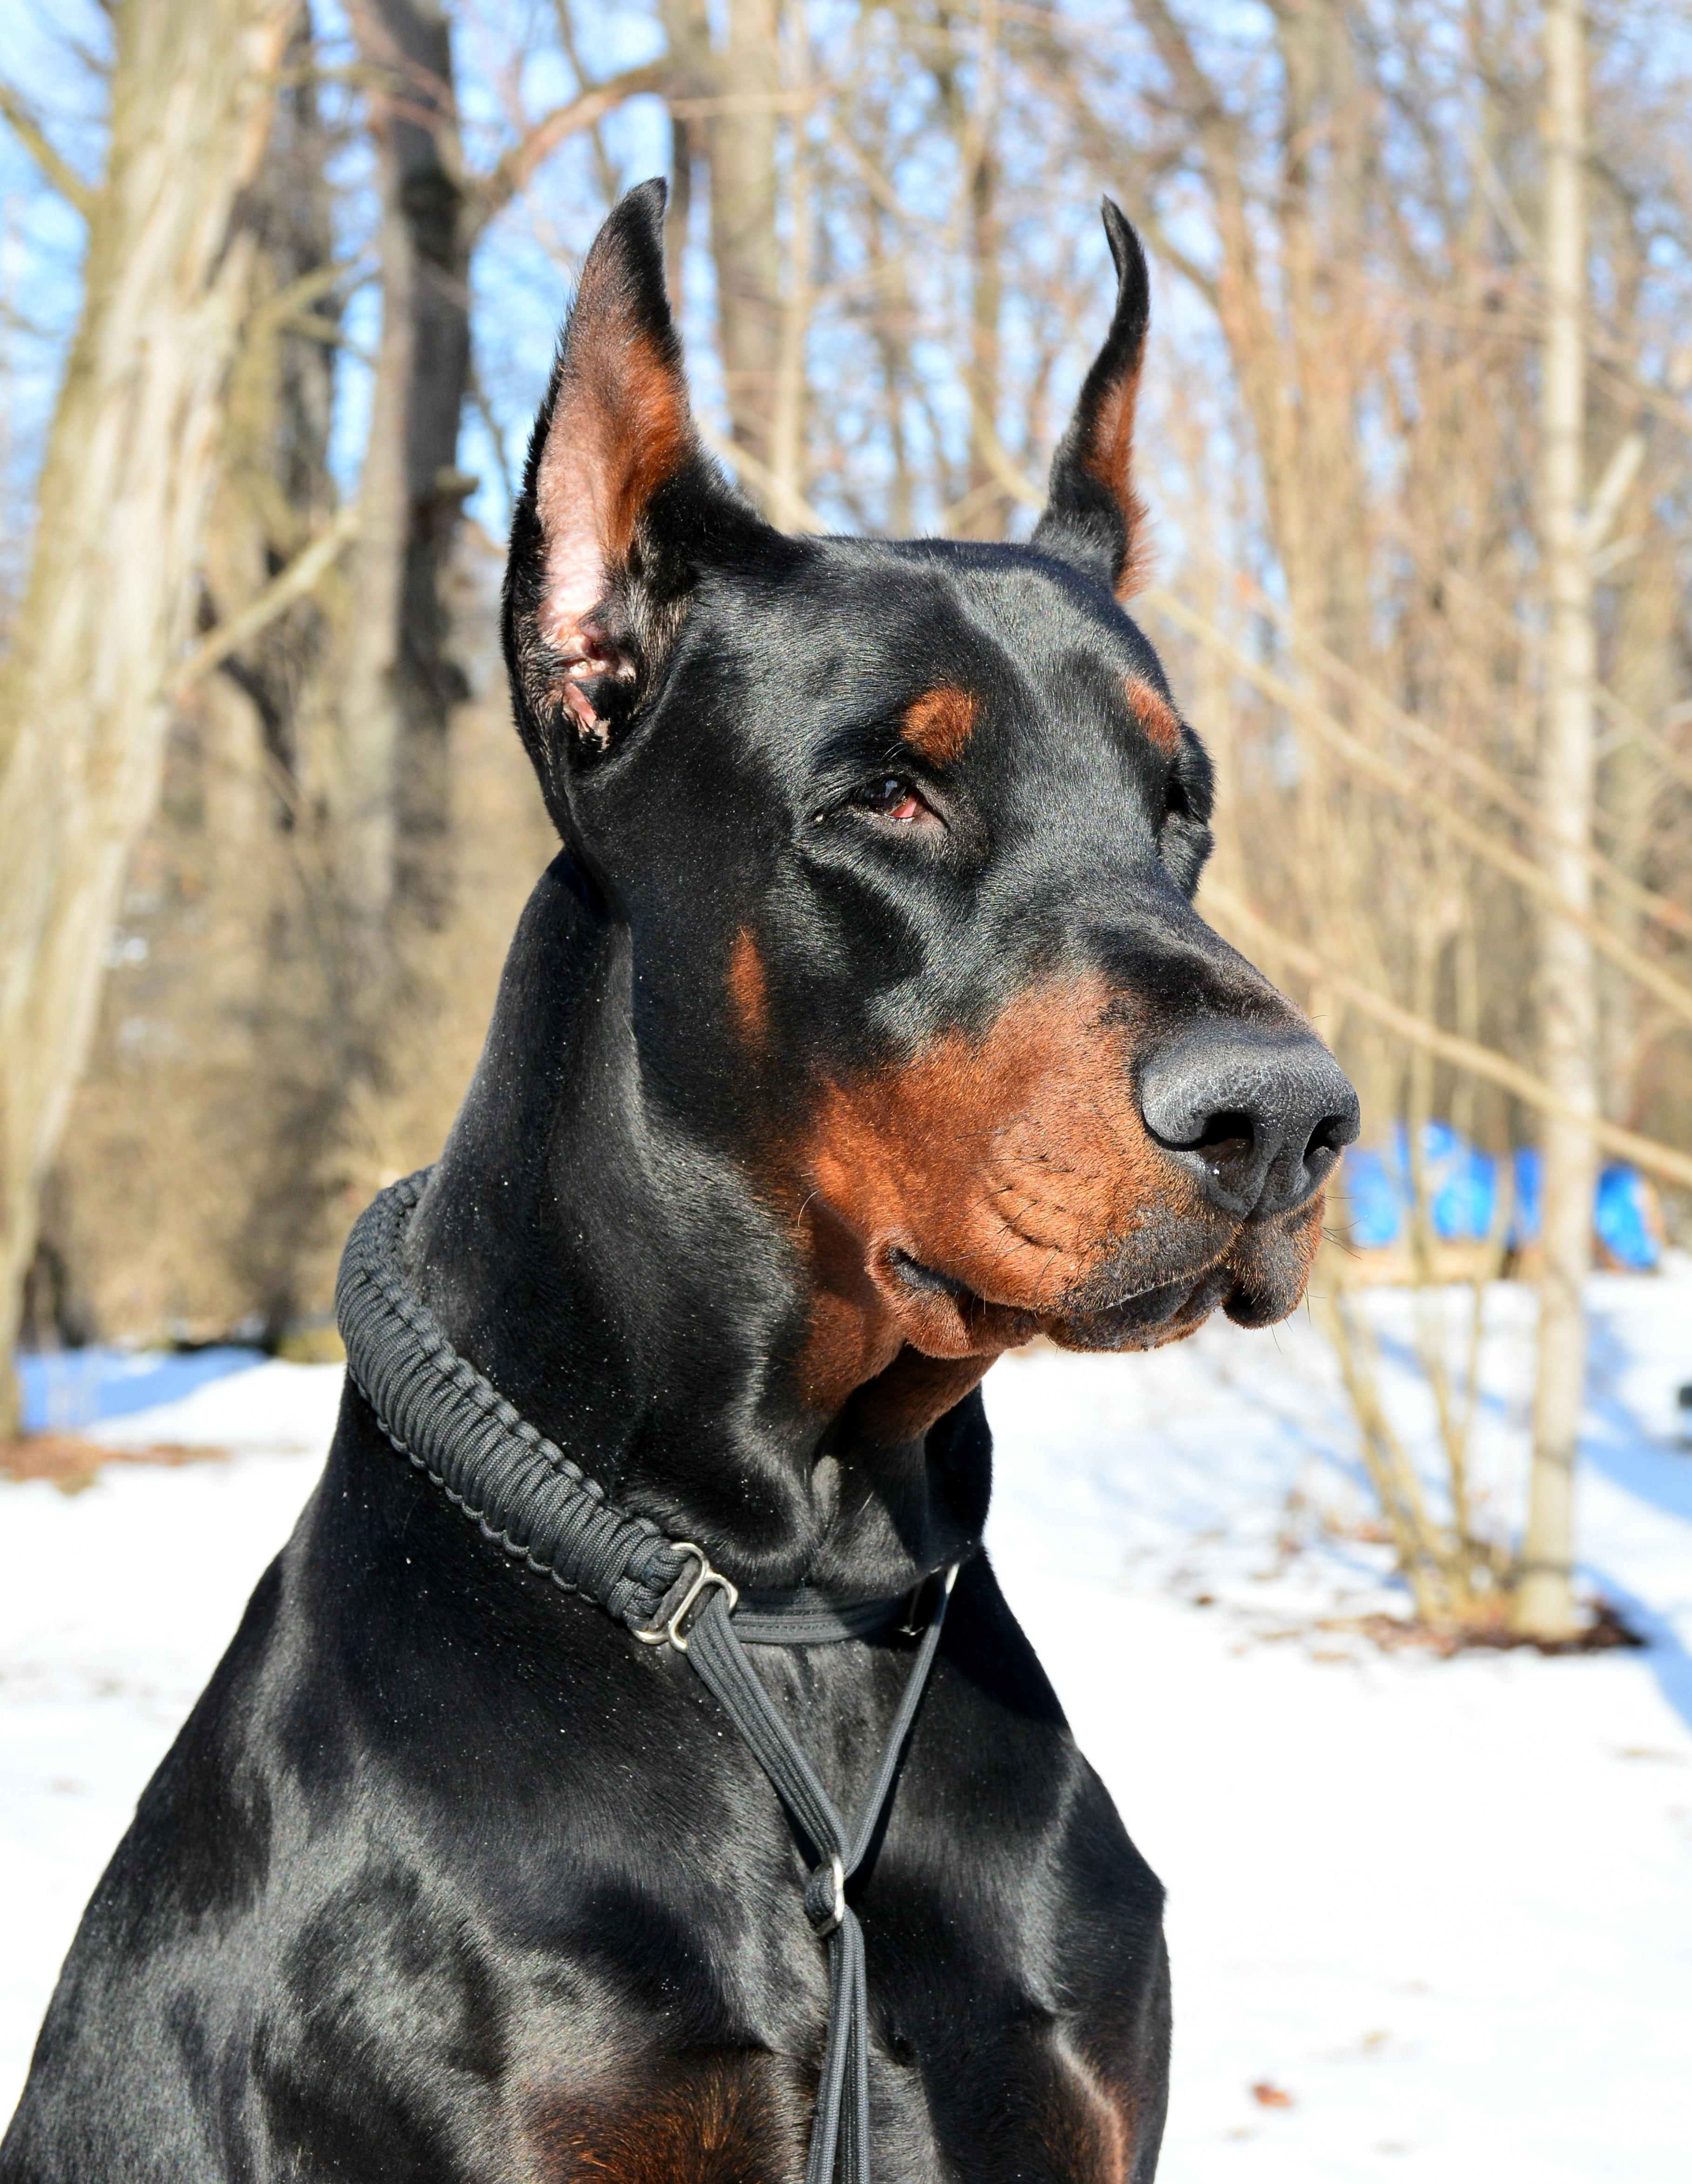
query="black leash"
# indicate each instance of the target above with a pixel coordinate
(717, 1641)
(529, 1499)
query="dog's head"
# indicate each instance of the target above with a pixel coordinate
(906, 838)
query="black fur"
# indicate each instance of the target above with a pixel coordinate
(447, 1881)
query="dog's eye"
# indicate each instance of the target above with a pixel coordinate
(892, 797)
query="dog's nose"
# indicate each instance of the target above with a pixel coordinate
(1260, 1115)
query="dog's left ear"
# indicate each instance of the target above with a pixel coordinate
(1095, 520)
(619, 505)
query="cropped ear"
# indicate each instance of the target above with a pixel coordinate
(619, 503)
(1095, 520)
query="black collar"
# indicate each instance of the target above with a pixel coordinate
(524, 1492)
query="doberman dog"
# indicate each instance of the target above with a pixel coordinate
(863, 1029)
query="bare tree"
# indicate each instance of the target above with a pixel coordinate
(109, 602)
(401, 682)
(976, 122)
(1544, 1605)
(1403, 598)
(1341, 418)
(192, 1180)
(728, 99)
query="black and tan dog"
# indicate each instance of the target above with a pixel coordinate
(863, 1029)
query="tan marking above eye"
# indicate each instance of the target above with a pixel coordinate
(938, 725)
(1156, 719)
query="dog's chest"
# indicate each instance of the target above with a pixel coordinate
(1024, 2106)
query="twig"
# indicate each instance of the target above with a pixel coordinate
(301, 576)
(1444, 747)
(56, 170)
(793, 507)
(511, 174)
(1529, 875)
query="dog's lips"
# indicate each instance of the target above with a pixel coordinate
(1257, 1276)
(927, 1280)
(940, 1315)
(944, 1317)
(1150, 1317)
(1257, 1279)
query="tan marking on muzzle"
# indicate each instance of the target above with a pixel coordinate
(1015, 1166)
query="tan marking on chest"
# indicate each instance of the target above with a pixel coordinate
(720, 2120)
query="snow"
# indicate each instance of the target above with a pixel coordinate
(1439, 1910)
(63, 1391)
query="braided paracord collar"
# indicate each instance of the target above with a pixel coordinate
(454, 1425)
(527, 1496)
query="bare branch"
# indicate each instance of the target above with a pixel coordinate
(1612, 489)
(789, 505)
(1675, 995)
(490, 194)
(56, 170)
(1200, 100)
(1444, 748)
(301, 576)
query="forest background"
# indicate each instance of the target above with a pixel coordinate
(279, 285)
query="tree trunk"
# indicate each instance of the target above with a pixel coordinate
(1544, 1603)
(739, 140)
(985, 500)
(401, 682)
(188, 1187)
(789, 480)
(741, 147)
(111, 592)
(275, 493)
(681, 212)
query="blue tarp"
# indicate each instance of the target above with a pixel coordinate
(1625, 1226)
(1463, 1184)
(64, 1389)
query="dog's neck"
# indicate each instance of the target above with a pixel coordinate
(621, 1284)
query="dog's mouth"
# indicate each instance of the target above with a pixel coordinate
(1257, 1277)
(1148, 1318)
(946, 1317)
(929, 1279)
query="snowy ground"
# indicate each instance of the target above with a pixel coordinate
(1439, 1912)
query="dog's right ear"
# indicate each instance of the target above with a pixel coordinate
(618, 504)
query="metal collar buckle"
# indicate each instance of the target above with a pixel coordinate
(670, 1632)
(915, 1623)
(837, 1915)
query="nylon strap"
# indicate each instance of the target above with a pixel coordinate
(809, 1617)
(842, 2129)
(531, 1499)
